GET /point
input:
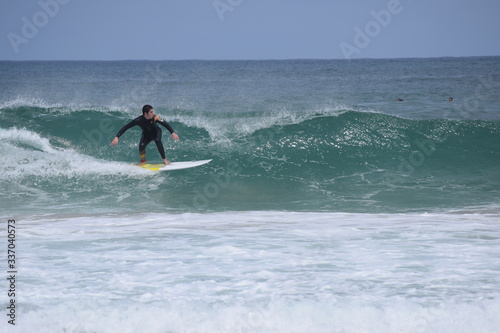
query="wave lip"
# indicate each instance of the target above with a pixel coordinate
(27, 102)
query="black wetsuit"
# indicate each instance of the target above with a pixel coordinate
(150, 131)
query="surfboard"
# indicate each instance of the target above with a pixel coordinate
(173, 165)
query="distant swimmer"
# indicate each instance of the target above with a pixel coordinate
(399, 100)
(450, 99)
(150, 131)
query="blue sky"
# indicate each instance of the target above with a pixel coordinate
(246, 29)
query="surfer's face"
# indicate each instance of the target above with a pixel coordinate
(150, 114)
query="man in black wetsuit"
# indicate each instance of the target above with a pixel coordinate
(150, 131)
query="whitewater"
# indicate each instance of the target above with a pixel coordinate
(329, 206)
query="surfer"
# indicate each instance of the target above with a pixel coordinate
(150, 131)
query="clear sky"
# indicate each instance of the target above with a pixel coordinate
(246, 29)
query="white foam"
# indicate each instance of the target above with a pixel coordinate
(296, 272)
(277, 316)
(260, 272)
(26, 137)
(32, 155)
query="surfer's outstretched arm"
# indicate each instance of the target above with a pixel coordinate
(133, 123)
(159, 120)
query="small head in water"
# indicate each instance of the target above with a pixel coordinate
(450, 99)
(399, 100)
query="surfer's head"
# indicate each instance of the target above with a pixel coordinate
(148, 112)
(146, 108)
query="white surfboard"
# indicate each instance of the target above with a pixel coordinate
(174, 165)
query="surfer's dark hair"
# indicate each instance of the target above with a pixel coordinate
(146, 108)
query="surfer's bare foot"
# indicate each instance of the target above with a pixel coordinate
(141, 163)
(167, 162)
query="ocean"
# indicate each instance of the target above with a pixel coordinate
(342, 196)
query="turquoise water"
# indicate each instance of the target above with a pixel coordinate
(284, 135)
(329, 206)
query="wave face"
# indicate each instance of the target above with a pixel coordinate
(307, 135)
(337, 159)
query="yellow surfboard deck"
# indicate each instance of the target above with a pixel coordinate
(173, 165)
